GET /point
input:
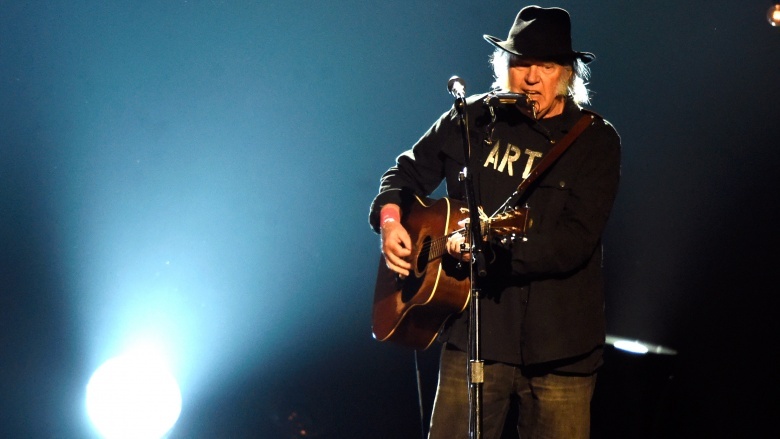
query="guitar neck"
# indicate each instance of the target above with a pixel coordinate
(438, 246)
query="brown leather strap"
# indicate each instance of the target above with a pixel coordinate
(557, 150)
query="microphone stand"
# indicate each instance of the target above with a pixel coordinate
(477, 270)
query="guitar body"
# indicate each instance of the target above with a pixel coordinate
(411, 311)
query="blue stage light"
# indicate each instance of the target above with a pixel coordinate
(133, 395)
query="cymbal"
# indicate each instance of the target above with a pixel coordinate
(637, 346)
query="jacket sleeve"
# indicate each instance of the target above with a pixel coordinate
(571, 205)
(418, 171)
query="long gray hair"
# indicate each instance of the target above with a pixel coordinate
(576, 88)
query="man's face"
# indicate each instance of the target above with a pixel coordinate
(544, 82)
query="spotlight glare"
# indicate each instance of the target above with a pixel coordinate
(631, 346)
(637, 346)
(773, 15)
(133, 396)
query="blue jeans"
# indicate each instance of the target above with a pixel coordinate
(550, 406)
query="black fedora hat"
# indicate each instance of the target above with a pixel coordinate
(541, 33)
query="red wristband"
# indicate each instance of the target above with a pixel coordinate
(388, 214)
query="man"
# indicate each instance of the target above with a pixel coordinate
(542, 302)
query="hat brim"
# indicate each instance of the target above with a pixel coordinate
(586, 57)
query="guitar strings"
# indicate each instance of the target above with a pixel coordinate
(436, 247)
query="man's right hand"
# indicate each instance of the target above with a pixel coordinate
(396, 247)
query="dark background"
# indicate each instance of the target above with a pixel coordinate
(199, 172)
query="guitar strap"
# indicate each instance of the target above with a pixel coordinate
(553, 155)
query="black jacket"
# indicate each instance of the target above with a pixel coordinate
(543, 298)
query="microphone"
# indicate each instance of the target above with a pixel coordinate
(456, 87)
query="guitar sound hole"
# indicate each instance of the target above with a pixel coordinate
(424, 255)
(412, 284)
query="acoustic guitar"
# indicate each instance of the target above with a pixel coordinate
(411, 311)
